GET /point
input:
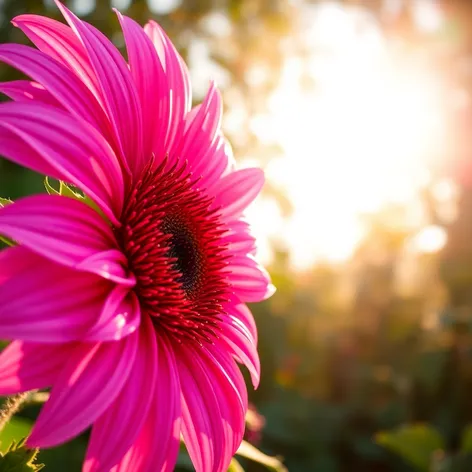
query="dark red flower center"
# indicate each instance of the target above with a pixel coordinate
(172, 238)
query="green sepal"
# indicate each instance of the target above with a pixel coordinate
(19, 458)
(5, 202)
(67, 191)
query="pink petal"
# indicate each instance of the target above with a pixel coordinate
(213, 164)
(59, 81)
(117, 429)
(59, 42)
(240, 311)
(242, 345)
(117, 88)
(238, 239)
(92, 378)
(120, 316)
(50, 141)
(237, 190)
(157, 446)
(212, 414)
(25, 90)
(30, 366)
(250, 281)
(64, 230)
(178, 83)
(47, 302)
(150, 80)
(201, 131)
(16, 260)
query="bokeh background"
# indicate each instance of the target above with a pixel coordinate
(360, 112)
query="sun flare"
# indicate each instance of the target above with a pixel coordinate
(365, 134)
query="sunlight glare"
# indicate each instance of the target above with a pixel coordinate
(362, 138)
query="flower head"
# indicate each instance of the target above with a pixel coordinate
(129, 302)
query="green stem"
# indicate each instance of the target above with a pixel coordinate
(10, 407)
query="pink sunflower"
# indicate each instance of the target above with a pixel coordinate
(129, 303)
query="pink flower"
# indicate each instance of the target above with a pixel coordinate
(129, 304)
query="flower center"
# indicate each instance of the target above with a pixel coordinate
(171, 238)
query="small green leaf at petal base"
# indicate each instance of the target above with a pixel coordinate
(248, 451)
(235, 466)
(417, 444)
(9, 242)
(19, 458)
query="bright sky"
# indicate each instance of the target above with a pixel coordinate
(362, 138)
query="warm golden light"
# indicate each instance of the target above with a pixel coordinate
(363, 136)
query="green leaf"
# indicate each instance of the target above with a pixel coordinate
(235, 466)
(16, 429)
(19, 458)
(248, 451)
(49, 188)
(415, 443)
(5, 202)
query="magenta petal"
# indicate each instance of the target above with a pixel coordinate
(178, 83)
(50, 141)
(235, 191)
(201, 131)
(241, 344)
(47, 302)
(151, 83)
(239, 239)
(212, 412)
(30, 366)
(250, 281)
(25, 90)
(58, 41)
(59, 81)
(120, 316)
(118, 90)
(157, 446)
(62, 229)
(240, 311)
(92, 378)
(117, 429)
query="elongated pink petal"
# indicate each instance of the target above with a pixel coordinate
(50, 141)
(118, 90)
(120, 316)
(178, 83)
(238, 239)
(91, 380)
(231, 392)
(64, 230)
(58, 41)
(59, 81)
(250, 281)
(47, 302)
(241, 311)
(201, 131)
(17, 260)
(240, 343)
(25, 90)
(158, 443)
(117, 429)
(213, 164)
(237, 190)
(29, 366)
(150, 80)
(211, 413)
